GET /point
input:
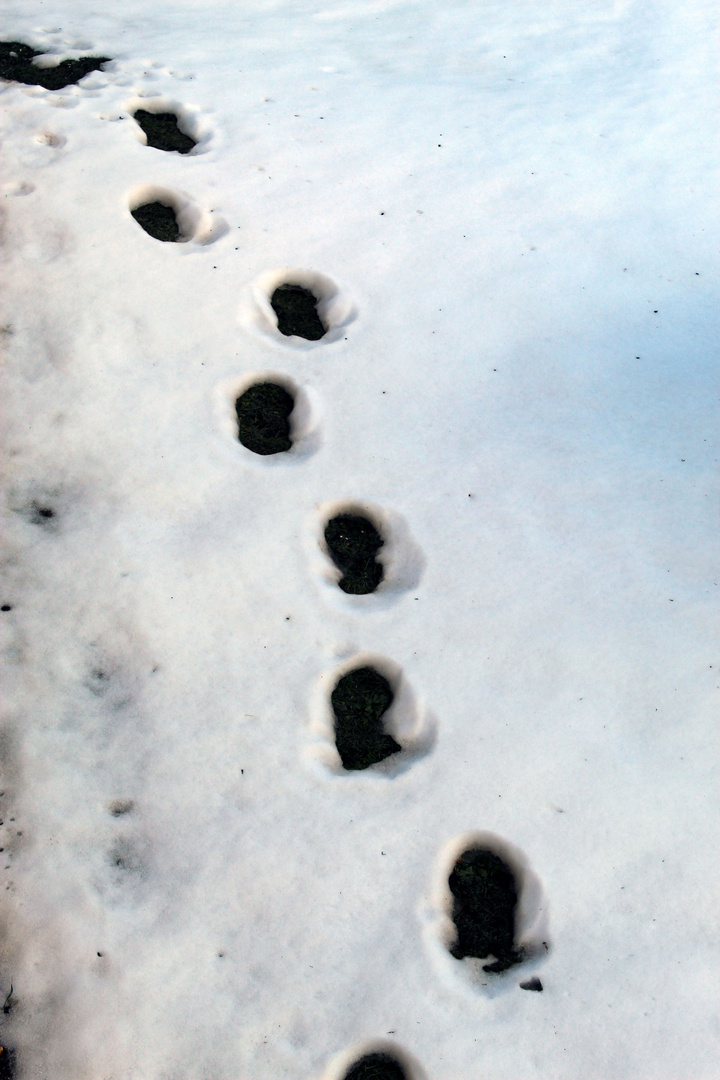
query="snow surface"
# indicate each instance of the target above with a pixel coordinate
(512, 207)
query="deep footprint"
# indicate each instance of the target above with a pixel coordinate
(16, 66)
(296, 309)
(353, 543)
(485, 898)
(162, 131)
(158, 220)
(359, 701)
(263, 414)
(376, 1067)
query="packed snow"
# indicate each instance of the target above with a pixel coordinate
(507, 216)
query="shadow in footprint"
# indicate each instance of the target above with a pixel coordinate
(353, 543)
(296, 310)
(485, 898)
(359, 701)
(162, 131)
(158, 220)
(16, 65)
(263, 417)
(376, 1067)
(39, 514)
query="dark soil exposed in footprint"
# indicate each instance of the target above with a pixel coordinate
(158, 220)
(484, 909)
(16, 65)
(296, 309)
(7, 1063)
(376, 1067)
(359, 701)
(353, 543)
(163, 132)
(263, 414)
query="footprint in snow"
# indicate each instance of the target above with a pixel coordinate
(374, 1059)
(300, 308)
(16, 65)
(365, 713)
(359, 701)
(172, 217)
(490, 912)
(163, 132)
(267, 418)
(159, 220)
(263, 418)
(297, 314)
(353, 543)
(484, 901)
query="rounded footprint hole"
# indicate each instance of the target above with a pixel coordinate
(172, 217)
(377, 1066)
(296, 307)
(161, 131)
(359, 702)
(169, 125)
(267, 417)
(353, 543)
(366, 714)
(374, 1059)
(263, 418)
(365, 549)
(7, 1057)
(484, 901)
(296, 310)
(491, 914)
(159, 220)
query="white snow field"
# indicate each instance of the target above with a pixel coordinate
(508, 214)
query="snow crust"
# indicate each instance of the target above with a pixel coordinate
(510, 213)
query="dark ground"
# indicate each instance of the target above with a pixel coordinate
(485, 898)
(359, 701)
(16, 65)
(353, 543)
(162, 131)
(263, 414)
(376, 1067)
(296, 309)
(158, 220)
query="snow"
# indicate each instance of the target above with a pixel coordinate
(509, 210)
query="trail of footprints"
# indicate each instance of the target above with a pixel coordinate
(488, 902)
